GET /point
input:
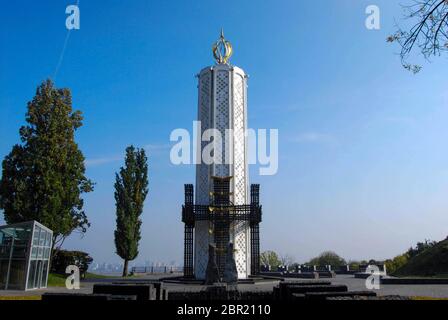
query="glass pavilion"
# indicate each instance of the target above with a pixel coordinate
(24, 256)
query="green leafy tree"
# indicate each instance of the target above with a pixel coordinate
(354, 264)
(420, 247)
(270, 258)
(400, 261)
(396, 263)
(327, 258)
(43, 178)
(131, 188)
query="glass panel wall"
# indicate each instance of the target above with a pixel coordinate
(39, 258)
(14, 243)
(5, 248)
(24, 256)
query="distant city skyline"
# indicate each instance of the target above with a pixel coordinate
(362, 142)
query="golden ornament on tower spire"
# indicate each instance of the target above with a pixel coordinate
(222, 49)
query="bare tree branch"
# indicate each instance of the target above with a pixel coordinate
(428, 30)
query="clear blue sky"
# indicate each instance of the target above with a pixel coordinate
(363, 154)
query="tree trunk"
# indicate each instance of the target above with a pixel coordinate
(125, 268)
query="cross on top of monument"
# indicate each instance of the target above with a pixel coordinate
(222, 49)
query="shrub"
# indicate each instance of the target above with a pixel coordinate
(63, 258)
(328, 258)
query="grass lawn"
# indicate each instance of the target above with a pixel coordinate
(102, 276)
(98, 276)
(427, 298)
(56, 280)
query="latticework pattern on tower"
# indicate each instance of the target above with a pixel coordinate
(202, 169)
(241, 248)
(239, 174)
(222, 118)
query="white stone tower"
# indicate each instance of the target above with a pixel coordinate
(222, 105)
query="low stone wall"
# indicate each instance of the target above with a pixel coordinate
(141, 291)
(302, 275)
(219, 295)
(80, 297)
(159, 294)
(314, 296)
(342, 298)
(364, 275)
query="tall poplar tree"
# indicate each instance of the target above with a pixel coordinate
(44, 176)
(131, 188)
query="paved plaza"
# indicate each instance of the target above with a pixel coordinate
(353, 284)
(433, 290)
